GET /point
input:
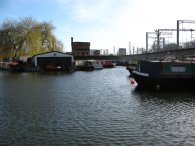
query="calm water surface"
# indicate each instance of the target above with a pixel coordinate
(91, 108)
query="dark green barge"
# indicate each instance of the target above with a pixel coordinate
(169, 74)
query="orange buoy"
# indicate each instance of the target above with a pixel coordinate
(132, 82)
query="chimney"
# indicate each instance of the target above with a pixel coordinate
(71, 41)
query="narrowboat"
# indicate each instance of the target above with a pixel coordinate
(97, 64)
(84, 65)
(13, 66)
(107, 64)
(165, 74)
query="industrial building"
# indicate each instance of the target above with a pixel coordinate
(80, 48)
(53, 61)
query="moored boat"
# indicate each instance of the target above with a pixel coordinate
(88, 65)
(97, 64)
(108, 64)
(84, 65)
(52, 67)
(166, 74)
(12, 66)
(5, 66)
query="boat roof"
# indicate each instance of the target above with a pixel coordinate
(174, 61)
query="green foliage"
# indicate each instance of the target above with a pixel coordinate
(27, 37)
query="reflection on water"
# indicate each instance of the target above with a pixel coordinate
(91, 108)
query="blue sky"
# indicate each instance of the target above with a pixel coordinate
(104, 23)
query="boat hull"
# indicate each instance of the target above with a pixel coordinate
(86, 68)
(165, 74)
(164, 81)
(17, 66)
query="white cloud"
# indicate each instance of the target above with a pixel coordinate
(108, 23)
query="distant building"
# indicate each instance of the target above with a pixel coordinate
(122, 51)
(104, 51)
(95, 52)
(80, 48)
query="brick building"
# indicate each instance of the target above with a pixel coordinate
(80, 48)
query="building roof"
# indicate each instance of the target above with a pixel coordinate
(52, 54)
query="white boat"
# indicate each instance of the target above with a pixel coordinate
(97, 64)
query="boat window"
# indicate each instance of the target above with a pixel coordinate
(177, 68)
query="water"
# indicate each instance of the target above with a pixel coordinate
(91, 108)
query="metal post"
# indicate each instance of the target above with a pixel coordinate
(146, 42)
(163, 42)
(158, 40)
(146, 45)
(178, 34)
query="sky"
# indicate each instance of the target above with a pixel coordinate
(106, 24)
